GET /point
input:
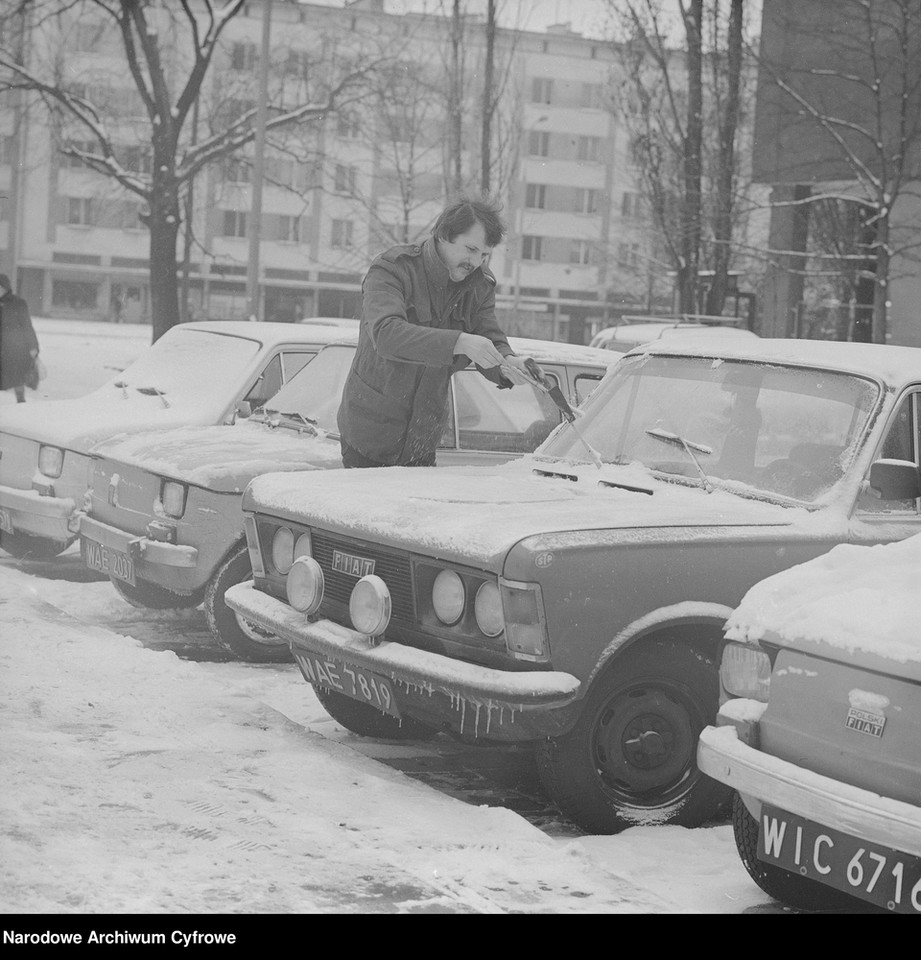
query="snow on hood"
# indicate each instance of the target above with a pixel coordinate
(223, 458)
(197, 372)
(853, 598)
(476, 513)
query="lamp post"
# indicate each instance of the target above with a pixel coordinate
(255, 225)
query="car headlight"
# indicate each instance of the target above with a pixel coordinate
(369, 606)
(50, 461)
(172, 497)
(303, 547)
(448, 597)
(304, 585)
(745, 671)
(487, 606)
(283, 550)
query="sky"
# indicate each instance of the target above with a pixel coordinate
(139, 782)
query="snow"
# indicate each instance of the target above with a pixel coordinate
(855, 598)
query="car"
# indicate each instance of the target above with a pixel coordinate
(820, 730)
(639, 330)
(164, 518)
(203, 372)
(574, 599)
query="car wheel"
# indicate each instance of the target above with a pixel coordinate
(368, 722)
(631, 758)
(789, 888)
(234, 633)
(151, 596)
(22, 546)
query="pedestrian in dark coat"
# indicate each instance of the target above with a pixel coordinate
(427, 311)
(18, 343)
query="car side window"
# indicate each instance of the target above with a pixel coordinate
(901, 442)
(295, 361)
(584, 385)
(267, 384)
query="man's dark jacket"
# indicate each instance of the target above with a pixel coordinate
(17, 341)
(395, 398)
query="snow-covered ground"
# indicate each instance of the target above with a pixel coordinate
(138, 782)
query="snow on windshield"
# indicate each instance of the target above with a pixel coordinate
(187, 365)
(853, 597)
(783, 430)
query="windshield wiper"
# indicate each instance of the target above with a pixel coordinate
(666, 436)
(304, 423)
(154, 391)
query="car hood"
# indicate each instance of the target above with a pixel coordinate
(78, 424)
(475, 514)
(222, 458)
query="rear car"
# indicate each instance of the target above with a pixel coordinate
(574, 599)
(196, 373)
(820, 732)
(165, 522)
(635, 331)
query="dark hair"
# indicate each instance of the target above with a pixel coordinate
(461, 215)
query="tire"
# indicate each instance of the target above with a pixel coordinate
(22, 546)
(151, 596)
(368, 722)
(238, 636)
(789, 888)
(631, 758)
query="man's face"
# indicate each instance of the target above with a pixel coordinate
(465, 253)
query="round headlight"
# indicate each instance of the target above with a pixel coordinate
(448, 597)
(369, 606)
(302, 548)
(304, 585)
(488, 609)
(283, 549)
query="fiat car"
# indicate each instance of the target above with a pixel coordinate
(820, 734)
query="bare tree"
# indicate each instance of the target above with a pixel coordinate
(851, 119)
(167, 52)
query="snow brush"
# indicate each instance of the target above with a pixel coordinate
(540, 380)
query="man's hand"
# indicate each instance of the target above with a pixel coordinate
(481, 350)
(515, 369)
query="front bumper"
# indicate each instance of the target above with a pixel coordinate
(147, 554)
(768, 779)
(468, 699)
(51, 518)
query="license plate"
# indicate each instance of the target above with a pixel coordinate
(879, 875)
(115, 563)
(353, 681)
(6, 520)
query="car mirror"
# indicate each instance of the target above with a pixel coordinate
(895, 480)
(244, 409)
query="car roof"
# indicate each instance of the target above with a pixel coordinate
(891, 364)
(269, 332)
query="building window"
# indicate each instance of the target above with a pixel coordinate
(69, 160)
(80, 211)
(539, 143)
(628, 255)
(236, 170)
(139, 159)
(341, 235)
(347, 126)
(591, 95)
(589, 149)
(535, 196)
(131, 216)
(289, 229)
(631, 205)
(74, 294)
(586, 200)
(86, 36)
(243, 56)
(296, 63)
(531, 248)
(580, 252)
(234, 223)
(345, 179)
(541, 90)
(281, 171)
(7, 149)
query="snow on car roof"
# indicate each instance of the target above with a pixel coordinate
(860, 598)
(894, 365)
(556, 351)
(270, 333)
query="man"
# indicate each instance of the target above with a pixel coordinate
(427, 311)
(18, 343)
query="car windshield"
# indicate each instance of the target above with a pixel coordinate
(788, 431)
(315, 391)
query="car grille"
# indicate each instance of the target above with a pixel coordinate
(393, 569)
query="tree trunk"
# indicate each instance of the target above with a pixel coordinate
(488, 99)
(881, 289)
(690, 220)
(163, 224)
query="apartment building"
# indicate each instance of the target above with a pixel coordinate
(337, 190)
